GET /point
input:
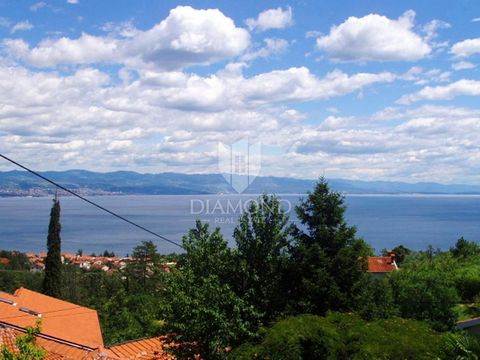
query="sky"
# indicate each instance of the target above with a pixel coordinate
(367, 90)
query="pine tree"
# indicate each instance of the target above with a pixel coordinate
(325, 254)
(52, 282)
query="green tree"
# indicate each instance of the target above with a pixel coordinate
(201, 306)
(26, 346)
(144, 269)
(425, 294)
(465, 249)
(207, 253)
(374, 299)
(262, 238)
(344, 336)
(401, 252)
(52, 282)
(327, 259)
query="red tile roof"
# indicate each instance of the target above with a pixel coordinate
(60, 319)
(381, 264)
(68, 331)
(143, 349)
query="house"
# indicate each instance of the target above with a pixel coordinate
(379, 266)
(68, 331)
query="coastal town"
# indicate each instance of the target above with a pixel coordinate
(107, 264)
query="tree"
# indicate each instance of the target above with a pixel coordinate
(201, 304)
(464, 248)
(344, 336)
(401, 252)
(25, 345)
(144, 269)
(52, 282)
(262, 238)
(425, 294)
(327, 259)
(207, 253)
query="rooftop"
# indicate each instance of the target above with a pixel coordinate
(60, 319)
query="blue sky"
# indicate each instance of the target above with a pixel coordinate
(372, 90)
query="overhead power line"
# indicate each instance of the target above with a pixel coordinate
(92, 203)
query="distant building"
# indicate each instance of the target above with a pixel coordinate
(68, 331)
(379, 266)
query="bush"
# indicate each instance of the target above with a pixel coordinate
(344, 336)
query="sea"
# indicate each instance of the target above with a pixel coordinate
(384, 221)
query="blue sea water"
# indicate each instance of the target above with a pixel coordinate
(382, 220)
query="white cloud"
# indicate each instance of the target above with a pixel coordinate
(459, 88)
(186, 37)
(430, 29)
(21, 26)
(374, 38)
(73, 1)
(46, 115)
(38, 5)
(476, 19)
(272, 47)
(87, 49)
(463, 65)
(271, 19)
(466, 48)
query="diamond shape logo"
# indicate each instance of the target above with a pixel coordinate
(240, 163)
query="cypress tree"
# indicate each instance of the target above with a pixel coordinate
(52, 282)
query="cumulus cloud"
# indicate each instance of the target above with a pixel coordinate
(425, 143)
(87, 49)
(466, 48)
(46, 115)
(458, 88)
(374, 38)
(272, 47)
(463, 65)
(21, 26)
(186, 37)
(278, 18)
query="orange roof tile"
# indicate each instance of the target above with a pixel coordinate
(144, 349)
(381, 264)
(60, 319)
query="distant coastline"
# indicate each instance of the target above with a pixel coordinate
(88, 183)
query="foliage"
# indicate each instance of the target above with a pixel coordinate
(464, 248)
(10, 280)
(425, 295)
(344, 336)
(53, 263)
(462, 346)
(26, 346)
(262, 238)
(401, 253)
(201, 305)
(325, 265)
(17, 260)
(143, 271)
(374, 299)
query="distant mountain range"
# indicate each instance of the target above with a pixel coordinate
(21, 183)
